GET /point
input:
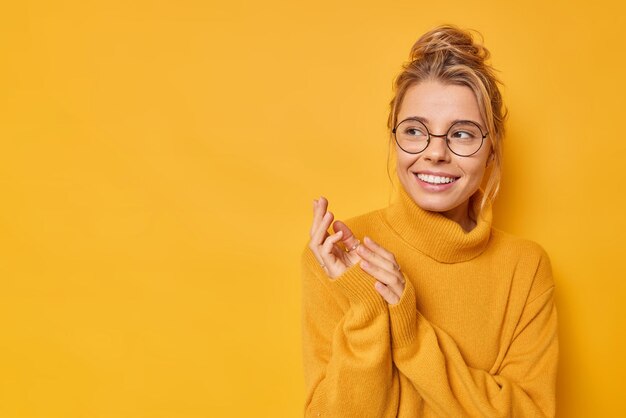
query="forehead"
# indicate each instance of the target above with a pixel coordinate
(440, 103)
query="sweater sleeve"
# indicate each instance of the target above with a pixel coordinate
(523, 386)
(347, 359)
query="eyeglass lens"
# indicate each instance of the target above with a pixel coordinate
(463, 138)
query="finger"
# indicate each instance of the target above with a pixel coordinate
(329, 244)
(378, 249)
(377, 260)
(326, 253)
(321, 252)
(339, 254)
(391, 280)
(387, 293)
(322, 229)
(348, 240)
(319, 209)
(319, 231)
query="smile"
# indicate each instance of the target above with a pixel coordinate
(428, 178)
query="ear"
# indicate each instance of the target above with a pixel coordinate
(489, 159)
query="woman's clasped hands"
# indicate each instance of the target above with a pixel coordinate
(373, 258)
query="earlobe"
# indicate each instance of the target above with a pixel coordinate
(489, 159)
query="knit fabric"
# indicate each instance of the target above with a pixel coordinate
(473, 335)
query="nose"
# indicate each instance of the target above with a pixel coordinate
(437, 149)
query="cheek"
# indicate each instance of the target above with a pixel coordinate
(475, 168)
(476, 172)
(404, 161)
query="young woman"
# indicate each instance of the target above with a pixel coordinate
(423, 308)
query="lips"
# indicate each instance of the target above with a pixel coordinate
(436, 178)
(437, 173)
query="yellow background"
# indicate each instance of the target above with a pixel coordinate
(158, 166)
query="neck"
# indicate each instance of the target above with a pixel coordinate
(462, 215)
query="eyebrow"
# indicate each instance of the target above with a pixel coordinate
(425, 121)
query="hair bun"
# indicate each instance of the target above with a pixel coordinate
(448, 42)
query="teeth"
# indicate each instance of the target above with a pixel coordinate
(435, 179)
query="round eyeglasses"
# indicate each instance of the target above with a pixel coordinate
(464, 138)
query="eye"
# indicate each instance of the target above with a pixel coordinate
(464, 132)
(462, 135)
(414, 131)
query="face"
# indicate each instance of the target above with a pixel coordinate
(439, 105)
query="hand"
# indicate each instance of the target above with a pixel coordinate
(333, 259)
(381, 264)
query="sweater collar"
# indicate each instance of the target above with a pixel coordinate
(435, 235)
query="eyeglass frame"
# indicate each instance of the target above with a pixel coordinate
(445, 136)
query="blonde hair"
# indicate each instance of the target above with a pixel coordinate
(451, 55)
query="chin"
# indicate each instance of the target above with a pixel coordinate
(436, 202)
